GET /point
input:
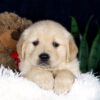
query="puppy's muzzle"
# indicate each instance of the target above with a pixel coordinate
(44, 57)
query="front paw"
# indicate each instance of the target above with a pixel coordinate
(63, 82)
(44, 79)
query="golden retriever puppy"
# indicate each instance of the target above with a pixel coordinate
(47, 52)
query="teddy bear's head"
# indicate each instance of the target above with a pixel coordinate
(11, 26)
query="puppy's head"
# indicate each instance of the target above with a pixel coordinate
(46, 44)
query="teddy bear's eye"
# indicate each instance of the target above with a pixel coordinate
(55, 44)
(35, 43)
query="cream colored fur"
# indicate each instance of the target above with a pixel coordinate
(63, 65)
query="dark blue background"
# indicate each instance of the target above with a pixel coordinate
(59, 10)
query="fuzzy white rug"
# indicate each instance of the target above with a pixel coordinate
(14, 87)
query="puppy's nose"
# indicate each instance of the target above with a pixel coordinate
(44, 57)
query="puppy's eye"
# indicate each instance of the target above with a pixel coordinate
(55, 44)
(35, 43)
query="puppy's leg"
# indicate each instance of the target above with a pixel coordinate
(41, 77)
(63, 81)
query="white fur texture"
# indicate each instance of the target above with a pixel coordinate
(14, 87)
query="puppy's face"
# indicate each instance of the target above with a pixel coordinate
(46, 44)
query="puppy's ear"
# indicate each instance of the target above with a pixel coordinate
(72, 50)
(21, 49)
(21, 45)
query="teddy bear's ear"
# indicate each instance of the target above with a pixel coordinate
(16, 34)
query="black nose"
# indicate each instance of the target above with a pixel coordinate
(44, 57)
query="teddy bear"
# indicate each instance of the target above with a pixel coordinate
(11, 27)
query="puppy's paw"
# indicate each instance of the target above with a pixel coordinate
(44, 79)
(63, 82)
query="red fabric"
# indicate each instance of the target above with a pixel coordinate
(14, 55)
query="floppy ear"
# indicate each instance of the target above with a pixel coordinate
(21, 45)
(72, 50)
(21, 49)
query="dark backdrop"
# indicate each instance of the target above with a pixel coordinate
(59, 10)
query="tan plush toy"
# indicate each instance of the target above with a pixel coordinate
(11, 26)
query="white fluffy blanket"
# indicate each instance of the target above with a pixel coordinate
(14, 87)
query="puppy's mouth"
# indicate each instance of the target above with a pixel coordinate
(44, 63)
